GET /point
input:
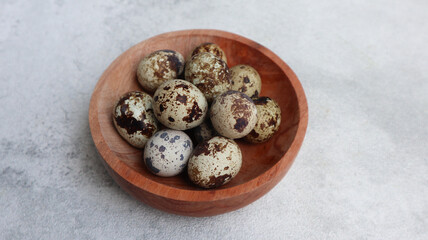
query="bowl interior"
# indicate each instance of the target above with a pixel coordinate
(257, 158)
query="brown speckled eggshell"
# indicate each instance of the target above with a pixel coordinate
(209, 73)
(159, 67)
(134, 119)
(233, 114)
(215, 162)
(179, 105)
(203, 132)
(269, 119)
(210, 48)
(246, 79)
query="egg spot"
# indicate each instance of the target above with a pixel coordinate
(202, 148)
(193, 114)
(272, 122)
(182, 99)
(254, 134)
(186, 144)
(175, 62)
(218, 181)
(162, 148)
(184, 86)
(261, 101)
(149, 165)
(243, 89)
(256, 94)
(132, 125)
(240, 124)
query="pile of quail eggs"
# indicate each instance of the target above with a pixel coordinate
(214, 104)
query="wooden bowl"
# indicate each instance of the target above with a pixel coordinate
(264, 165)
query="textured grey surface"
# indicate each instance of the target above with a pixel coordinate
(362, 172)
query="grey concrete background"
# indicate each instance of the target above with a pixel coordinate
(362, 172)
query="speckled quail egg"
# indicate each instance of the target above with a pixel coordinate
(203, 132)
(134, 119)
(179, 105)
(215, 162)
(233, 114)
(211, 48)
(245, 79)
(209, 73)
(159, 67)
(167, 152)
(269, 119)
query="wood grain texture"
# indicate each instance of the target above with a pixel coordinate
(264, 165)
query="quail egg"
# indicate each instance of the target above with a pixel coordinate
(246, 79)
(269, 119)
(215, 162)
(179, 105)
(203, 132)
(211, 48)
(134, 119)
(158, 67)
(209, 73)
(233, 114)
(167, 152)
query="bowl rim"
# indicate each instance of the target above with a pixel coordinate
(134, 178)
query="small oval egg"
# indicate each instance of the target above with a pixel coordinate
(179, 105)
(210, 48)
(134, 119)
(233, 114)
(269, 119)
(159, 67)
(215, 162)
(167, 152)
(209, 73)
(246, 79)
(203, 132)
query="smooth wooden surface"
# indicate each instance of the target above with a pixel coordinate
(264, 165)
